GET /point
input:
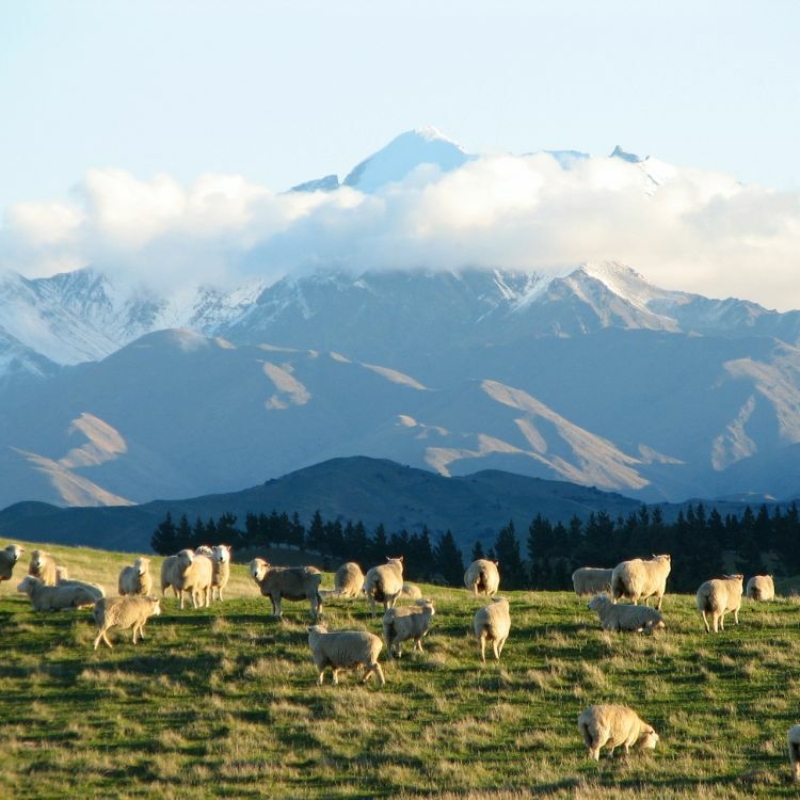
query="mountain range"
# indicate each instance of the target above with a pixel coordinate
(118, 395)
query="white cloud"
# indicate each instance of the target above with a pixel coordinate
(697, 231)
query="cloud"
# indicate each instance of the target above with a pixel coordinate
(682, 229)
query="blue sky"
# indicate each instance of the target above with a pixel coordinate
(282, 92)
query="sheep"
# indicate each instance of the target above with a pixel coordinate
(349, 580)
(639, 579)
(409, 622)
(625, 617)
(204, 550)
(483, 577)
(794, 751)
(719, 596)
(126, 611)
(293, 583)
(43, 567)
(383, 584)
(492, 623)
(194, 575)
(8, 559)
(591, 580)
(136, 578)
(411, 591)
(168, 580)
(761, 587)
(345, 649)
(221, 559)
(612, 725)
(58, 598)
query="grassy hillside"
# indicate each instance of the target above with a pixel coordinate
(223, 702)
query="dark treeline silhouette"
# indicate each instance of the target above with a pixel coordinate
(702, 545)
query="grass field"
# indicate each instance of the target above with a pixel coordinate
(222, 702)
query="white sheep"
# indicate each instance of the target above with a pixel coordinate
(221, 559)
(411, 591)
(794, 751)
(58, 598)
(492, 623)
(483, 577)
(761, 587)
(345, 650)
(612, 725)
(43, 567)
(384, 583)
(625, 617)
(591, 580)
(408, 622)
(127, 611)
(348, 580)
(719, 596)
(293, 583)
(638, 579)
(8, 559)
(168, 580)
(194, 575)
(136, 578)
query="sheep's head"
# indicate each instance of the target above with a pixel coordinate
(37, 559)
(27, 583)
(186, 557)
(141, 565)
(648, 739)
(14, 552)
(426, 602)
(221, 553)
(156, 602)
(598, 601)
(258, 569)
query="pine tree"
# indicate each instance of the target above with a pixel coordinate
(506, 548)
(164, 540)
(448, 561)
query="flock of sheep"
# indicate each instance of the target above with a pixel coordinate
(202, 574)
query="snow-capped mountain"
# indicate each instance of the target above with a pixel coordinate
(113, 392)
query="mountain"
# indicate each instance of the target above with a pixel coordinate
(115, 393)
(371, 490)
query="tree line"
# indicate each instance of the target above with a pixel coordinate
(702, 544)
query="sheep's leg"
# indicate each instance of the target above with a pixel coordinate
(496, 650)
(98, 639)
(335, 679)
(321, 677)
(483, 647)
(736, 615)
(381, 677)
(705, 621)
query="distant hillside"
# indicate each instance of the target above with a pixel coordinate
(371, 490)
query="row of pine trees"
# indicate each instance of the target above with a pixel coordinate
(702, 544)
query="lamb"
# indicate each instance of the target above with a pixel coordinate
(293, 583)
(58, 598)
(136, 578)
(409, 622)
(591, 580)
(43, 566)
(127, 611)
(8, 559)
(639, 579)
(761, 587)
(794, 751)
(349, 580)
(221, 559)
(345, 649)
(612, 725)
(719, 596)
(483, 577)
(492, 623)
(625, 617)
(383, 584)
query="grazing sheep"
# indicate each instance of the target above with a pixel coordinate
(492, 623)
(43, 567)
(293, 583)
(625, 617)
(221, 559)
(794, 751)
(614, 725)
(345, 650)
(639, 579)
(483, 577)
(136, 578)
(58, 598)
(719, 596)
(591, 580)
(761, 587)
(411, 591)
(409, 622)
(349, 580)
(8, 559)
(127, 611)
(383, 584)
